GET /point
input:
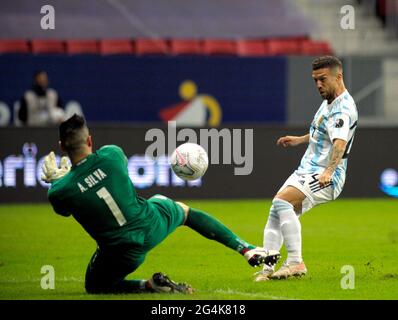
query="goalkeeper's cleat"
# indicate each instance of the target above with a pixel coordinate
(290, 270)
(162, 283)
(259, 256)
(263, 275)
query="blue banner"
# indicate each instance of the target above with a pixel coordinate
(194, 91)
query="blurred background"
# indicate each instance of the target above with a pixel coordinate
(132, 65)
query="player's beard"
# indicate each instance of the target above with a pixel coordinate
(329, 96)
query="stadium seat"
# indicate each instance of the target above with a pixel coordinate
(251, 48)
(151, 46)
(81, 46)
(181, 47)
(48, 46)
(311, 47)
(282, 46)
(325, 48)
(116, 46)
(219, 47)
(14, 46)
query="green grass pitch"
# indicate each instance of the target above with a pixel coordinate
(360, 233)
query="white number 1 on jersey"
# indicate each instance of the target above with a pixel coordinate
(112, 205)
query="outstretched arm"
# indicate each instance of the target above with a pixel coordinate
(292, 141)
(338, 150)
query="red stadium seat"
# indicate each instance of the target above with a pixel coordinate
(180, 47)
(151, 46)
(81, 46)
(48, 46)
(311, 47)
(326, 48)
(222, 47)
(14, 46)
(283, 46)
(251, 48)
(116, 46)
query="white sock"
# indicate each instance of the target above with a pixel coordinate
(291, 230)
(272, 234)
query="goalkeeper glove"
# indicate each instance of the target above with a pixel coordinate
(51, 172)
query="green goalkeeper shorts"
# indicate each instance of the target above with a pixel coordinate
(170, 216)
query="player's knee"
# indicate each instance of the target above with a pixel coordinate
(281, 204)
(95, 287)
(291, 195)
(185, 208)
(283, 196)
(93, 284)
(273, 213)
(91, 288)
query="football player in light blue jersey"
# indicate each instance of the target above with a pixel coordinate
(321, 175)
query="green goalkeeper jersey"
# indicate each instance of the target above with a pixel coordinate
(99, 194)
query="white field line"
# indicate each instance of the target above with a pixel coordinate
(220, 291)
(62, 279)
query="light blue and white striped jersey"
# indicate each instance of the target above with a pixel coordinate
(337, 120)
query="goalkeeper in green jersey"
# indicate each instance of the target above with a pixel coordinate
(98, 193)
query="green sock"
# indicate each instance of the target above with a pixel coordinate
(213, 229)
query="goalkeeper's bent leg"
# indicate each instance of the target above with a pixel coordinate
(107, 270)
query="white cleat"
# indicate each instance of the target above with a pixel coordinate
(263, 275)
(290, 270)
(259, 256)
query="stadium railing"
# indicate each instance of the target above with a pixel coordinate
(239, 47)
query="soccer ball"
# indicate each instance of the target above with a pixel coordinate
(189, 161)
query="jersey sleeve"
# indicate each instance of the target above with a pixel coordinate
(338, 126)
(57, 204)
(115, 150)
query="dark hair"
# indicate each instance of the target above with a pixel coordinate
(37, 73)
(71, 133)
(329, 62)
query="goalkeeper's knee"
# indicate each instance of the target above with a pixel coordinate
(185, 208)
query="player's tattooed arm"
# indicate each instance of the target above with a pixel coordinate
(338, 150)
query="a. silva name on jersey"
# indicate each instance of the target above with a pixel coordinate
(91, 180)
